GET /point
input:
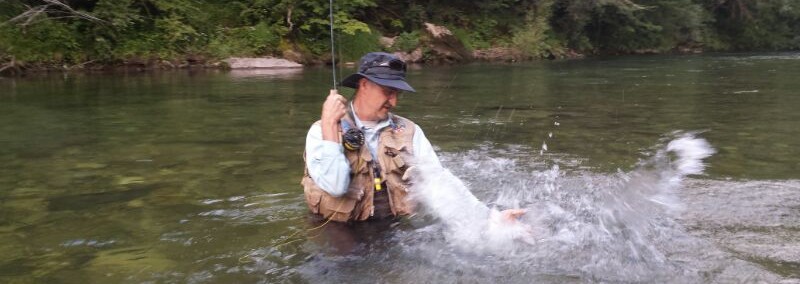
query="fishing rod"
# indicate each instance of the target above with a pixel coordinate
(346, 138)
(333, 48)
(352, 137)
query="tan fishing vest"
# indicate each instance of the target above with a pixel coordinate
(393, 154)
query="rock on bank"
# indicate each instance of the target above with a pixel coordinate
(260, 62)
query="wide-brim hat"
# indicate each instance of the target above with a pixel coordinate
(381, 68)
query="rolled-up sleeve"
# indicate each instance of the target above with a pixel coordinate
(442, 187)
(326, 162)
(423, 150)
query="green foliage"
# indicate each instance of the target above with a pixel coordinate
(623, 26)
(175, 32)
(406, 41)
(352, 47)
(679, 22)
(480, 36)
(145, 45)
(758, 25)
(171, 29)
(46, 41)
(531, 38)
(260, 39)
(619, 28)
(307, 23)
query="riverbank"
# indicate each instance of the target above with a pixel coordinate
(490, 55)
(428, 55)
(142, 35)
(435, 44)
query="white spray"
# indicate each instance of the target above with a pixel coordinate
(600, 222)
(579, 227)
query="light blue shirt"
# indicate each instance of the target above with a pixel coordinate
(329, 168)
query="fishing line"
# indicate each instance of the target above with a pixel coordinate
(289, 238)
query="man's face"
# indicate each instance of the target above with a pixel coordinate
(376, 100)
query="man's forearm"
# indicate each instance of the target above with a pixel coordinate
(330, 131)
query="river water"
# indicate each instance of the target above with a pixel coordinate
(193, 176)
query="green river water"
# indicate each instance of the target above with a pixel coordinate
(193, 176)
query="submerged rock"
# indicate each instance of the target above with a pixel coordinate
(127, 263)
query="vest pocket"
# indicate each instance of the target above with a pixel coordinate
(393, 160)
(399, 195)
(399, 164)
(337, 209)
(312, 193)
(320, 202)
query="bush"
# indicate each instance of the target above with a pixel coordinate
(480, 34)
(532, 37)
(406, 41)
(352, 47)
(542, 28)
(45, 41)
(260, 39)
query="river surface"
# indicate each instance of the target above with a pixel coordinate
(193, 176)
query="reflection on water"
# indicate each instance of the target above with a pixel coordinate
(194, 176)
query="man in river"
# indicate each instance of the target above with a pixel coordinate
(360, 156)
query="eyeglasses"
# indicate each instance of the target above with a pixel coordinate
(388, 91)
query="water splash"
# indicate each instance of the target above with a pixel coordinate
(617, 228)
(580, 226)
(691, 152)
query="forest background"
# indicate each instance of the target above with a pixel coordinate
(68, 33)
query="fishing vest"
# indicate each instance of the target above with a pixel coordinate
(393, 154)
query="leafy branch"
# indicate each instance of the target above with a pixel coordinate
(55, 9)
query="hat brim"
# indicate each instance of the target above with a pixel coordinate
(352, 82)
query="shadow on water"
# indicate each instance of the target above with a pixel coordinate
(343, 239)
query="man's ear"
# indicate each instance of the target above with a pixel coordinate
(362, 82)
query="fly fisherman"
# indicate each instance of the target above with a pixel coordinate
(359, 153)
